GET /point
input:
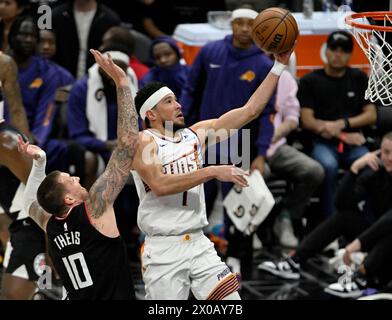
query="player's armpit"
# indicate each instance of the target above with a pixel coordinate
(146, 162)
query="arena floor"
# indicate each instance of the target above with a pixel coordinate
(259, 285)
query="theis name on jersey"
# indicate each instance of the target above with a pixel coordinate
(67, 239)
(187, 163)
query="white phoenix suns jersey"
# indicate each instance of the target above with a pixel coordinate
(178, 213)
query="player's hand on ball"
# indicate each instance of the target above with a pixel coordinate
(284, 57)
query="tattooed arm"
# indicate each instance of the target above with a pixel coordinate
(107, 187)
(8, 77)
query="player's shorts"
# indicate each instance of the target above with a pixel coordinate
(173, 265)
(25, 253)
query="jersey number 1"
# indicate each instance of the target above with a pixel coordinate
(73, 272)
(185, 199)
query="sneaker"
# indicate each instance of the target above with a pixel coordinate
(351, 287)
(336, 261)
(284, 231)
(285, 268)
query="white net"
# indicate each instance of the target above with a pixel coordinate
(379, 53)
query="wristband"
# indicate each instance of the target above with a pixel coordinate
(342, 137)
(346, 123)
(278, 68)
(41, 156)
(41, 153)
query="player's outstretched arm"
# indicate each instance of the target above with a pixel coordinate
(239, 117)
(107, 187)
(37, 175)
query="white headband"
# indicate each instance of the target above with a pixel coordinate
(152, 101)
(118, 55)
(244, 13)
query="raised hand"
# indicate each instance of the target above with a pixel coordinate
(105, 61)
(30, 150)
(284, 57)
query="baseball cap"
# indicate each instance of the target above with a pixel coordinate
(340, 39)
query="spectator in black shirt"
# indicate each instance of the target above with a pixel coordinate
(334, 110)
(80, 25)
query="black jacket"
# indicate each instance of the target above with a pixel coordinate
(67, 37)
(369, 192)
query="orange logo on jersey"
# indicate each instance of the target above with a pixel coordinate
(36, 83)
(248, 76)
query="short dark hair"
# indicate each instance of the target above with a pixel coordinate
(50, 194)
(124, 37)
(15, 27)
(144, 93)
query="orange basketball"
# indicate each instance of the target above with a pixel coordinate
(275, 30)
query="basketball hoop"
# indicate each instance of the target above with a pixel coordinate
(372, 40)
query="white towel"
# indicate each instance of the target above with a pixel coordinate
(248, 207)
(96, 108)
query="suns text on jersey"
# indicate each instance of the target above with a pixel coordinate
(185, 164)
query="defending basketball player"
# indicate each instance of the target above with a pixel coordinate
(176, 256)
(83, 239)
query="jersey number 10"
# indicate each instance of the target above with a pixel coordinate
(73, 272)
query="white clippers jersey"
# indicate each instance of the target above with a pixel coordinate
(178, 213)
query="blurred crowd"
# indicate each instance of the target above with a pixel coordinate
(318, 134)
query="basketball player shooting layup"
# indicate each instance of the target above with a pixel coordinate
(83, 239)
(176, 256)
